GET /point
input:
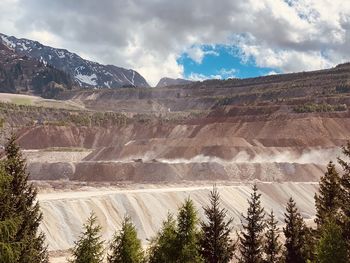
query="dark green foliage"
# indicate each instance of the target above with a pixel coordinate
(331, 247)
(323, 107)
(345, 197)
(345, 88)
(89, 247)
(310, 243)
(187, 234)
(163, 246)
(216, 245)
(327, 201)
(20, 74)
(42, 79)
(295, 234)
(125, 246)
(9, 247)
(251, 238)
(23, 199)
(272, 247)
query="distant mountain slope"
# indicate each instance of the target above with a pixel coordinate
(163, 82)
(22, 74)
(85, 72)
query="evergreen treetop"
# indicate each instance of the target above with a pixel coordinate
(125, 246)
(251, 238)
(327, 201)
(272, 247)
(89, 247)
(163, 246)
(187, 234)
(216, 245)
(294, 232)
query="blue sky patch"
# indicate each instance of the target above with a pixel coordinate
(220, 61)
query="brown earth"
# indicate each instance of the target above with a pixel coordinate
(275, 147)
(220, 130)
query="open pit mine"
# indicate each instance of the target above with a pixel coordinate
(142, 151)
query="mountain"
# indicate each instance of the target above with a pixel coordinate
(86, 73)
(22, 74)
(163, 82)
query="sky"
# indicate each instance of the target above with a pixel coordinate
(192, 39)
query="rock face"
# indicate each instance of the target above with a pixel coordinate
(163, 82)
(86, 73)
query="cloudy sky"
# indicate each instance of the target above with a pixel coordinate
(195, 39)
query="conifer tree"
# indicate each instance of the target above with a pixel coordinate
(187, 234)
(9, 247)
(345, 197)
(163, 246)
(295, 234)
(250, 240)
(125, 246)
(272, 247)
(327, 201)
(23, 198)
(89, 247)
(332, 246)
(216, 245)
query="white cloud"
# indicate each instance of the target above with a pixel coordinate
(149, 36)
(227, 73)
(221, 74)
(201, 77)
(196, 54)
(272, 72)
(46, 37)
(285, 60)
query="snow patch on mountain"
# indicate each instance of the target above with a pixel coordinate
(7, 42)
(91, 80)
(60, 54)
(85, 72)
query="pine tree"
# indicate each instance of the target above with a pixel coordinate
(163, 246)
(328, 200)
(23, 198)
(250, 240)
(272, 247)
(345, 197)
(331, 246)
(216, 245)
(187, 234)
(125, 246)
(9, 247)
(89, 247)
(295, 234)
(310, 237)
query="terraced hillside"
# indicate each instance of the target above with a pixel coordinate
(331, 85)
(283, 128)
(278, 130)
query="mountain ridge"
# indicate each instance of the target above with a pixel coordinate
(86, 73)
(22, 74)
(165, 81)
